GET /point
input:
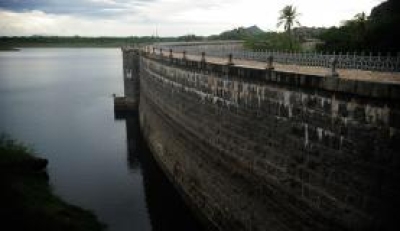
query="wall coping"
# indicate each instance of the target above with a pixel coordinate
(362, 88)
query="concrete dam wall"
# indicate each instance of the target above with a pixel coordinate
(256, 149)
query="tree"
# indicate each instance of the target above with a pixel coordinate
(382, 27)
(374, 33)
(288, 17)
(357, 27)
(361, 17)
(359, 22)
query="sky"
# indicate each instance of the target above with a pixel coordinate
(164, 17)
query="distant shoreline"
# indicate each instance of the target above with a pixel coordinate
(9, 49)
(24, 46)
(17, 47)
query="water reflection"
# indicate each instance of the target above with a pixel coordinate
(167, 210)
(60, 103)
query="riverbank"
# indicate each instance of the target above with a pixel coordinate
(27, 202)
(8, 49)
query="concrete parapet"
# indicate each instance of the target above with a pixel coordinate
(260, 149)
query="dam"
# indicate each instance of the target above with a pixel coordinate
(268, 148)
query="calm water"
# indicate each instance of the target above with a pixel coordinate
(59, 101)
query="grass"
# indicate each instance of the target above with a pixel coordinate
(26, 199)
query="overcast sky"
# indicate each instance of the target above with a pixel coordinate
(168, 17)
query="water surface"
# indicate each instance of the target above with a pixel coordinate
(59, 101)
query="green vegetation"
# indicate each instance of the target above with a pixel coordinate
(240, 33)
(376, 33)
(272, 41)
(288, 17)
(76, 41)
(256, 39)
(7, 43)
(25, 195)
(8, 49)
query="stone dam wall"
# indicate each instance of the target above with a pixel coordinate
(254, 149)
(131, 61)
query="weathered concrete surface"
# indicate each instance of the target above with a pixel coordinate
(125, 104)
(131, 59)
(268, 150)
(353, 74)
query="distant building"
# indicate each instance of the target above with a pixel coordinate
(310, 44)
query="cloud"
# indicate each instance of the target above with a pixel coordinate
(39, 23)
(170, 17)
(87, 8)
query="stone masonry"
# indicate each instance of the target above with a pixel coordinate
(255, 149)
(131, 74)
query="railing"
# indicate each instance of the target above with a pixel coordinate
(369, 62)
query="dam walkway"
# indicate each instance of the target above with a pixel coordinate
(355, 74)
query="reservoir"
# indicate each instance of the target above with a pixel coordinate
(59, 102)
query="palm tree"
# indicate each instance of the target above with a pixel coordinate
(361, 20)
(361, 17)
(358, 26)
(288, 17)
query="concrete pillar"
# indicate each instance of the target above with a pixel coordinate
(230, 59)
(184, 55)
(132, 75)
(270, 63)
(203, 57)
(333, 62)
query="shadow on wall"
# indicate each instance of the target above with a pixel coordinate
(167, 210)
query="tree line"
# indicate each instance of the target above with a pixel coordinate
(374, 33)
(377, 32)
